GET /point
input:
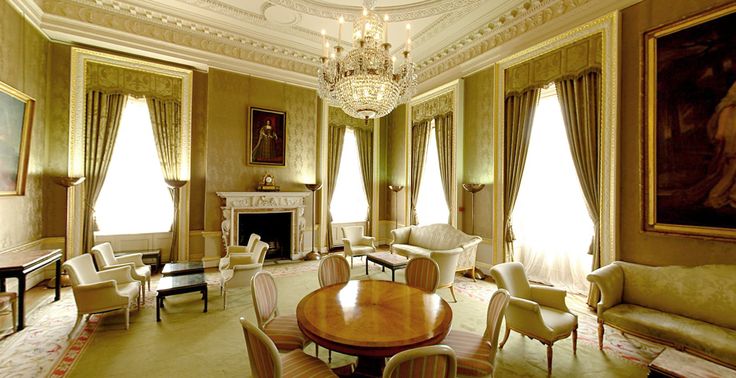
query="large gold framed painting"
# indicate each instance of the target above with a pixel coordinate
(267, 136)
(16, 120)
(690, 142)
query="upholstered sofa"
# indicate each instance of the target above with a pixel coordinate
(422, 240)
(690, 308)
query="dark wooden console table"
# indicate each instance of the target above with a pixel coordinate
(20, 264)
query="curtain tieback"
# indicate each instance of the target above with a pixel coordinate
(509, 233)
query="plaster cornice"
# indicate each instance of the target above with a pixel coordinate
(146, 29)
(414, 11)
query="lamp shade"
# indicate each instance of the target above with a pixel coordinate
(396, 188)
(474, 188)
(313, 187)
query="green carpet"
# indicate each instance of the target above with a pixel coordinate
(189, 343)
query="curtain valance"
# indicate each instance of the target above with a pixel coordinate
(113, 79)
(569, 61)
(433, 107)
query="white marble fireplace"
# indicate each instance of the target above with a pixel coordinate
(236, 203)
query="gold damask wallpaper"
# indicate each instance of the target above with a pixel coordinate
(199, 151)
(478, 150)
(23, 65)
(228, 99)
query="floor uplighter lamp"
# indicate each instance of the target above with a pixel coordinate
(313, 255)
(474, 188)
(66, 182)
(396, 189)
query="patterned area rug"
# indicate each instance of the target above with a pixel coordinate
(42, 349)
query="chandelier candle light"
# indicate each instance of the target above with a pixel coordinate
(365, 82)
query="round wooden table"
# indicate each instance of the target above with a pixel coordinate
(373, 319)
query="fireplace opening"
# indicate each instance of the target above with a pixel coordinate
(274, 228)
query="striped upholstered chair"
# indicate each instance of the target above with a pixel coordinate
(282, 329)
(429, 361)
(333, 269)
(265, 360)
(476, 354)
(423, 273)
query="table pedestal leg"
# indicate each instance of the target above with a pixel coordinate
(57, 288)
(369, 367)
(22, 302)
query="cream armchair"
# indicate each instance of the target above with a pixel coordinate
(447, 261)
(105, 259)
(238, 274)
(97, 292)
(357, 244)
(241, 254)
(538, 312)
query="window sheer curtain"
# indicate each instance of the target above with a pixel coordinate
(551, 221)
(349, 203)
(102, 118)
(445, 142)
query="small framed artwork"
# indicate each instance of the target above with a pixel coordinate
(690, 118)
(267, 137)
(16, 120)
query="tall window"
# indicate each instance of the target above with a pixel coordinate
(431, 203)
(349, 203)
(551, 222)
(134, 198)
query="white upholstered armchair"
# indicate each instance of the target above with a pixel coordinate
(242, 254)
(238, 273)
(105, 259)
(539, 312)
(357, 244)
(97, 292)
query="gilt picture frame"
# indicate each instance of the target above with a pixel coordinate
(16, 120)
(690, 126)
(266, 137)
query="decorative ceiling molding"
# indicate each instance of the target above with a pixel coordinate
(141, 25)
(414, 11)
(514, 23)
(145, 23)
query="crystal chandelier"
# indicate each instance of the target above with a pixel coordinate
(365, 82)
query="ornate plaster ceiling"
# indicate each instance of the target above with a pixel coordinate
(280, 39)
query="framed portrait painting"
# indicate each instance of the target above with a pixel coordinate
(16, 120)
(267, 137)
(690, 118)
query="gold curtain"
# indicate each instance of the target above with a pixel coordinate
(365, 151)
(445, 140)
(419, 142)
(337, 137)
(166, 123)
(102, 122)
(518, 119)
(580, 102)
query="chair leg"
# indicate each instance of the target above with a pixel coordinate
(472, 274)
(139, 303)
(224, 298)
(127, 318)
(351, 262)
(149, 283)
(505, 337)
(549, 359)
(601, 330)
(316, 350)
(143, 291)
(575, 340)
(329, 355)
(76, 324)
(452, 291)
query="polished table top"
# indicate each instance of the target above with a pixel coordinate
(22, 259)
(373, 318)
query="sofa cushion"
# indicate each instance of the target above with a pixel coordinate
(710, 339)
(409, 250)
(706, 292)
(438, 237)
